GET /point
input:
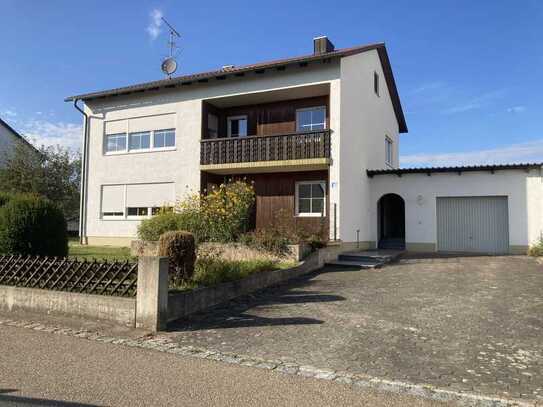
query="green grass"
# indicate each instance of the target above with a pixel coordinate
(99, 252)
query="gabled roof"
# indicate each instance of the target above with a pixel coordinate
(280, 64)
(15, 133)
(460, 169)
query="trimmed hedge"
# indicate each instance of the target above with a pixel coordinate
(30, 225)
(180, 247)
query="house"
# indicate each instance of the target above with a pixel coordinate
(317, 134)
(9, 138)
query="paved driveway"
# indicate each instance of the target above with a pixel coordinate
(473, 324)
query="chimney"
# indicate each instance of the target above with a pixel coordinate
(322, 45)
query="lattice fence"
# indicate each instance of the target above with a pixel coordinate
(66, 274)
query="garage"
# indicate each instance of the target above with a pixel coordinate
(473, 224)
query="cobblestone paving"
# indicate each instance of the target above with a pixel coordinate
(466, 324)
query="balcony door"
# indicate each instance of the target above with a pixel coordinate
(237, 126)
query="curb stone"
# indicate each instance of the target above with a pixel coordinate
(162, 344)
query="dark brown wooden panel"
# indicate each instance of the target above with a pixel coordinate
(266, 118)
(275, 192)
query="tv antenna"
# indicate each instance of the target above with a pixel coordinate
(169, 65)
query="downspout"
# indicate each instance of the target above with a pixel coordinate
(84, 167)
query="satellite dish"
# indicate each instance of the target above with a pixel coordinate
(169, 66)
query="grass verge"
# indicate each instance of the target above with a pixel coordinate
(109, 253)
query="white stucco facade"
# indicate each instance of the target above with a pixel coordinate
(361, 118)
(523, 189)
(366, 119)
(180, 166)
(8, 140)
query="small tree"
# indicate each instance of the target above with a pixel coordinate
(52, 172)
(31, 225)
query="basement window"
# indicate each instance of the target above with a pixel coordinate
(311, 198)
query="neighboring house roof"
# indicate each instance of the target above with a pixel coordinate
(279, 64)
(469, 168)
(15, 133)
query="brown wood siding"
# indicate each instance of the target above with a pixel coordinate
(275, 192)
(267, 118)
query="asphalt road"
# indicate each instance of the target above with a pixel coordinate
(44, 369)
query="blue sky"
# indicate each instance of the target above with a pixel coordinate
(469, 73)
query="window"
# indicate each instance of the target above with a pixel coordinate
(237, 126)
(112, 214)
(135, 201)
(311, 198)
(139, 141)
(376, 83)
(115, 142)
(164, 138)
(389, 151)
(313, 118)
(112, 205)
(212, 126)
(138, 211)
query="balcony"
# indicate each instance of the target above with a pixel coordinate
(287, 152)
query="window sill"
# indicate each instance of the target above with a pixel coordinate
(309, 215)
(149, 150)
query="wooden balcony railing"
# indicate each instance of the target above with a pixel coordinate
(266, 148)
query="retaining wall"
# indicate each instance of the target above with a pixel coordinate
(183, 304)
(118, 309)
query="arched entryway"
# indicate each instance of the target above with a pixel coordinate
(391, 222)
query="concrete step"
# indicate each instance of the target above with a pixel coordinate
(383, 256)
(369, 259)
(358, 264)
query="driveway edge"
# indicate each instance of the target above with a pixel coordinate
(163, 344)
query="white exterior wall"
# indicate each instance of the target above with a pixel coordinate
(365, 121)
(182, 165)
(524, 191)
(7, 143)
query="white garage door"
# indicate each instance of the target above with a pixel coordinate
(473, 224)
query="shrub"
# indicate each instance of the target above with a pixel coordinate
(212, 270)
(221, 216)
(269, 239)
(181, 249)
(537, 249)
(31, 225)
(164, 221)
(227, 210)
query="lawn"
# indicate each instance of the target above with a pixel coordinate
(99, 252)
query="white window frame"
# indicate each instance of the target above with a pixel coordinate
(296, 198)
(113, 217)
(139, 150)
(166, 148)
(389, 151)
(377, 83)
(151, 148)
(229, 124)
(137, 217)
(305, 109)
(116, 151)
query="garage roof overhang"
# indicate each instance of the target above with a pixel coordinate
(459, 170)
